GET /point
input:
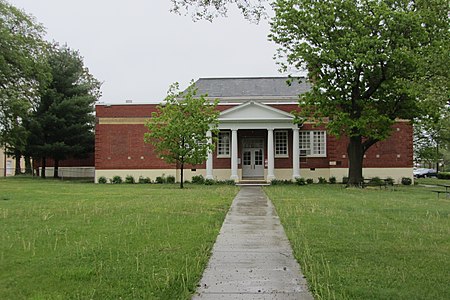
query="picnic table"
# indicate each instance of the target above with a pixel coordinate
(383, 182)
(446, 192)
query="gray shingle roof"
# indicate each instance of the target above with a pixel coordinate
(251, 86)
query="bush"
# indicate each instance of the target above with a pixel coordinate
(376, 181)
(322, 180)
(160, 179)
(129, 179)
(281, 182)
(116, 179)
(309, 181)
(443, 175)
(226, 182)
(102, 180)
(198, 179)
(345, 180)
(144, 179)
(406, 181)
(300, 181)
(390, 181)
(210, 181)
(170, 179)
(332, 180)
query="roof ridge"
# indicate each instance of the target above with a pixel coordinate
(251, 77)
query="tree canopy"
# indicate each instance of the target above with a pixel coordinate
(252, 10)
(364, 59)
(178, 129)
(23, 70)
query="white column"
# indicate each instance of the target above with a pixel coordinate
(270, 155)
(209, 160)
(295, 154)
(234, 155)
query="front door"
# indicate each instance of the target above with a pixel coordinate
(253, 158)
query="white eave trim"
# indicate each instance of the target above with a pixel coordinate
(263, 106)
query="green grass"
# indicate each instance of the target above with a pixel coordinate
(66, 240)
(368, 243)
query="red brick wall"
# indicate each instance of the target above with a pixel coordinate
(71, 162)
(124, 111)
(121, 146)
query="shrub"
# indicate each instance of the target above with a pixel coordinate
(281, 182)
(376, 181)
(116, 179)
(390, 181)
(198, 179)
(406, 181)
(332, 180)
(144, 179)
(275, 182)
(345, 180)
(102, 180)
(443, 175)
(209, 181)
(226, 182)
(322, 180)
(309, 181)
(129, 179)
(160, 179)
(170, 179)
(300, 181)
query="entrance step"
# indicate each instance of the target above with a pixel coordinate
(252, 183)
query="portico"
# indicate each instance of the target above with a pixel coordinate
(252, 127)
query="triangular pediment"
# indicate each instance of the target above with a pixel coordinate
(255, 111)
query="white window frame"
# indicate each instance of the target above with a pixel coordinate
(311, 143)
(282, 155)
(222, 155)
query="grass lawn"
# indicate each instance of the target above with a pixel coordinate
(71, 240)
(370, 243)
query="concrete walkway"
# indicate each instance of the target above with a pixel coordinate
(252, 257)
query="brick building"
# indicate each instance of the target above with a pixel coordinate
(257, 139)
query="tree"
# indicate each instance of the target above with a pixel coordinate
(252, 10)
(63, 121)
(432, 138)
(23, 70)
(178, 129)
(363, 58)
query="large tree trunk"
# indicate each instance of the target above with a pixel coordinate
(56, 169)
(18, 157)
(44, 163)
(28, 168)
(182, 176)
(355, 151)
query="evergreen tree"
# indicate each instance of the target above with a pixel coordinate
(62, 124)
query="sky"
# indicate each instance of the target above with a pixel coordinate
(137, 48)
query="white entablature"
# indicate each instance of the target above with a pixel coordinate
(253, 115)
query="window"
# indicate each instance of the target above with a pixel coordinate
(313, 143)
(281, 143)
(223, 147)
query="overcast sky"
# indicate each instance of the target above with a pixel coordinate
(137, 48)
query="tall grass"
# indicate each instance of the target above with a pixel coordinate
(368, 243)
(63, 240)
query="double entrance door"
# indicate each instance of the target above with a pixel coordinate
(253, 158)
